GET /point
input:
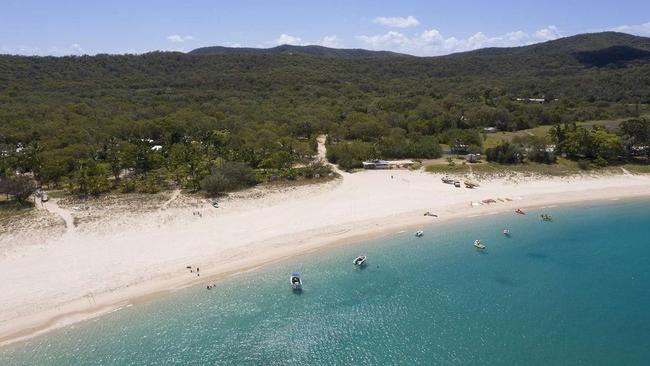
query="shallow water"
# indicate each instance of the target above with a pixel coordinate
(572, 291)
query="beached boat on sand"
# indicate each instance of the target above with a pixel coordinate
(359, 261)
(419, 233)
(447, 180)
(295, 281)
(478, 245)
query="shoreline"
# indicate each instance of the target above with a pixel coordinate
(255, 255)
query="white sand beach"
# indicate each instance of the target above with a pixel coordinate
(50, 278)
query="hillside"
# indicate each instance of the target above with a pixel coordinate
(297, 50)
(568, 45)
(77, 120)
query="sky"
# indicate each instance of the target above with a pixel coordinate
(424, 28)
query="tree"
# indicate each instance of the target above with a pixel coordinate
(505, 153)
(635, 135)
(18, 186)
(227, 177)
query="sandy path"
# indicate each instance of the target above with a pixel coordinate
(173, 197)
(322, 155)
(53, 206)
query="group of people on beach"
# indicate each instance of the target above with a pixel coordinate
(192, 270)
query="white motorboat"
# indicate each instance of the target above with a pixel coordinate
(419, 233)
(478, 245)
(359, 261)
(295, 281)
(506, 232)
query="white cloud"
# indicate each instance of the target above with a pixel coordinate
(76, 49)
(287, 39)
(431, 42)
(548, 34)
(397, 22)
(329, 41)
(20, 50)
(175, 38)
(638, 29)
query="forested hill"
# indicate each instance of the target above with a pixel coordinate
(591, 49)
(65, 115)
(297, 50)
(569, 45)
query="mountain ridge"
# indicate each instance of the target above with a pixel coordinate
(309, 50)
(572, 45)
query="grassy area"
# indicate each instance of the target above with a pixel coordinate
(637, 168)
(493, 139)
(11, 208)
(563, 168)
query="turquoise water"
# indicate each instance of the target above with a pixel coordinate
(571, 292)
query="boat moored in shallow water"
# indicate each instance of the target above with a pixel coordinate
(506, 232)
(419, 233)
(478, 245)
(359, 261)
(296, 281)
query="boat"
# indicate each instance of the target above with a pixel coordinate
(447, 180)
(506, 232)
(295, 281)
(457, 184)
(478, 245)
(546, 217)
(215, 204)
(520, 211)
(470, 185)
(419, 233)
(430, 214)
(359, 261)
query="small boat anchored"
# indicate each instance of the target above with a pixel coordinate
(520, 211)
(419, 233)
(506, 232)
(546, 217)
(478, 245)
(359, 261)
(295, 281)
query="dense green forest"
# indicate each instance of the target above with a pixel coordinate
(218, 122)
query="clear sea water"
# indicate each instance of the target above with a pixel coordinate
(575, 291)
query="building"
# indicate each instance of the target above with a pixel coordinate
(473, 158)
(376, 164)
(532, 100)
(385, 164)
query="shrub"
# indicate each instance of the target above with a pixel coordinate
(18, 186)
(350, 155)
(228, 177)
(504, 153)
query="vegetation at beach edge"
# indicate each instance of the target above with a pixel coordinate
(216, 123)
